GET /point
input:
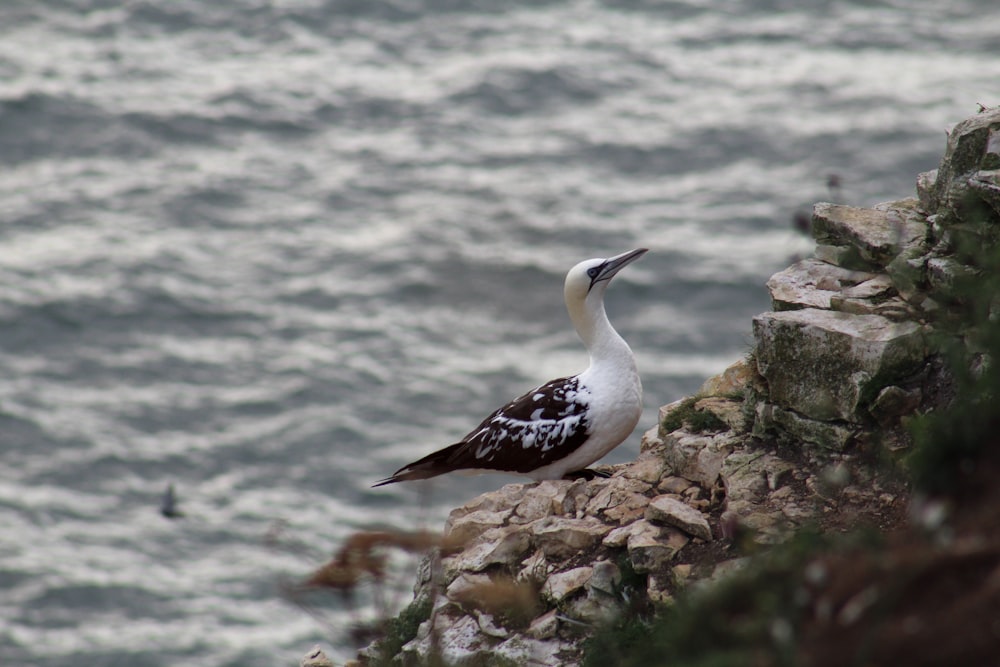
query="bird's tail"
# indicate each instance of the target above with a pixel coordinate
(432, 465)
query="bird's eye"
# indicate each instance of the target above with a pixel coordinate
(593, 271)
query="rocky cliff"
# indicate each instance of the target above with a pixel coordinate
(781, 439)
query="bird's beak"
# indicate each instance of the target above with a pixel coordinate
(615, 264)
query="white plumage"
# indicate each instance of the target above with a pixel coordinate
(561, 427)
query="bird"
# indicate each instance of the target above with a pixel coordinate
(559, 428)
(168, 504)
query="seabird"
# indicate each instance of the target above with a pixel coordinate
(556, 430)
(168, 504)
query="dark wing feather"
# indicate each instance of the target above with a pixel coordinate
(531, 431)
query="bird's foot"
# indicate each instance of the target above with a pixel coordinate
(587, 474)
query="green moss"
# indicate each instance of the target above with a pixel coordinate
(687, 415)
(401, 630)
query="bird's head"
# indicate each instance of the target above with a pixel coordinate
(590, 277)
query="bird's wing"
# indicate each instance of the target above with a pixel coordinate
(531, 431)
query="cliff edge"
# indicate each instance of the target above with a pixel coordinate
(784, 438)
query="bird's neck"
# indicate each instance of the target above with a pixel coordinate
(603, 343)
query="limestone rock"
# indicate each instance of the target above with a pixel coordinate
(844, 256)
(497, 546)
(829, 435)
(543, 500)
(489, 627)
(651, 440)
(926, 183)
(460, 641)
(658, 588)
(605, 579)
(675, 485)
(986, 184)
(465, 587)
(972, 146)
(947, 276)
(667, 510)
(316, 658)
(825, 365)
(650, 547)
(729, 382)
(560, 537)
(810, 283)
(697, 457)
(619, 499)
(894, 402)
(527, 651)
(729, 411)
(502, 499)
(878, 235)
(561, 585)
(534, 568)
(648, 468)
(465, 528)
(545, 626)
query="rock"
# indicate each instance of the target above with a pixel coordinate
(667, 510)
(844, 256)
(648, 468)
(619, 498)
(825, 365)
(545, 626)
(534, 568)
(793, 427)
(810, 283)
(488, 626)
(948, 277)
(697, 457)
(650, 547)
(651, 440)
(744, 477)
(605, 579)
(497, 546)
(527, 651)
(316, 658)
(675, 485)
(561, 537)
(460, 642)
(727, 410)
(543, 500)
(876, 286)
(926, 183)
(971, 147)
(463, 529)
(466, 586)
(894, 402)
(894, 309)
(502, 499)
(561, 585)
(728, 383)
(879, 234)
(658, 588)
(986, 184)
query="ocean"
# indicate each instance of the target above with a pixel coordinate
(267, 251)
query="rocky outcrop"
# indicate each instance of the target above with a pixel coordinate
(770, 444)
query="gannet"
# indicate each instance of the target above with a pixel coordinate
(556, 430)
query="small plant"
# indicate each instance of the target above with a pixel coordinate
(402, 629)
(687, 415)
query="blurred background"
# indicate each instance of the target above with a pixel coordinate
(269, 251)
